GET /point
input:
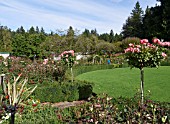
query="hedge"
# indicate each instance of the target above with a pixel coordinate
(65, 91)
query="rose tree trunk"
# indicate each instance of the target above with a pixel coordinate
(142, 84)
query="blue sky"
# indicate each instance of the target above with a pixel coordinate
(52, 15)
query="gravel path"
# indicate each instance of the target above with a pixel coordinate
(65, 104)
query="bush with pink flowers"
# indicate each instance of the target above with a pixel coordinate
(146, 55)
(68, 59)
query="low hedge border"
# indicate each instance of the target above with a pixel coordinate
(65, 91)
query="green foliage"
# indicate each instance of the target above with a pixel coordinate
(133, 25)
(45, 114)
(5, 39)
(151, 21)
(27, 44)
(16, 92)
(118, 47)
(50, 93)
(104, 46)
(87, 68)
(86, 44)
(65, 91)
(85, 90)
(128, 40)
(166, 62)
(144, 55)
(157, 18)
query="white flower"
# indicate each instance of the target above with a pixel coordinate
(91, 108)
(7, 116)
(108, 98)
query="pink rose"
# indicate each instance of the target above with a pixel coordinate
(164, 54)
(131, 45)
(136, 50)
(138, 46)
(127, 50)
(45, 61)
(144, 41)
(155, 40)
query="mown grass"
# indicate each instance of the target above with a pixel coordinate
(126, 82)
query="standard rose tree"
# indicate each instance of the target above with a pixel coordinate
(68, 59)
(146, 55)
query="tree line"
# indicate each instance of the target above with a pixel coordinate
(154, 22)
(35, 42)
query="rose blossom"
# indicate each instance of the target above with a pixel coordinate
(144, 41)
(164, 54)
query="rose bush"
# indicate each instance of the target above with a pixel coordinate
(68, 59)
(146, 54)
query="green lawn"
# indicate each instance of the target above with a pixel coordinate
(125, 82)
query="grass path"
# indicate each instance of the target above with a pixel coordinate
(125, 82)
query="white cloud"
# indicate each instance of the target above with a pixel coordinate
(53, 15)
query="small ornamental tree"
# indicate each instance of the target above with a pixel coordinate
(146, 55)
(68, 59)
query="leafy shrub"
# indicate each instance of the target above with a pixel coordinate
(165, 63)
(87, 68)
(128, 40)
(49, 94)
(85, 90)
(65, 91)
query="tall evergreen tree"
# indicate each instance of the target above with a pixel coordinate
(105, 37)
(42, 31)
(133, 25)
(20, 30)
(152, 22)
(70, 37)
(86, 33)
(111, 36)
(94, 32)
(165, 5)
(37, 30)
(32, 30)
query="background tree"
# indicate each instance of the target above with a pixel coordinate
(165, 6)
(94, 32)
(118, 37)
(70, 38)
(32, 30)
(5, 39)
(37, 30)
(133, 25)
(128, 40)
(85, 44)
(21, 30)
(86, 33)
(105, 37)
(104, 47)
(19, 44)
(152, 22)
(111, 37)
(42, 31)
